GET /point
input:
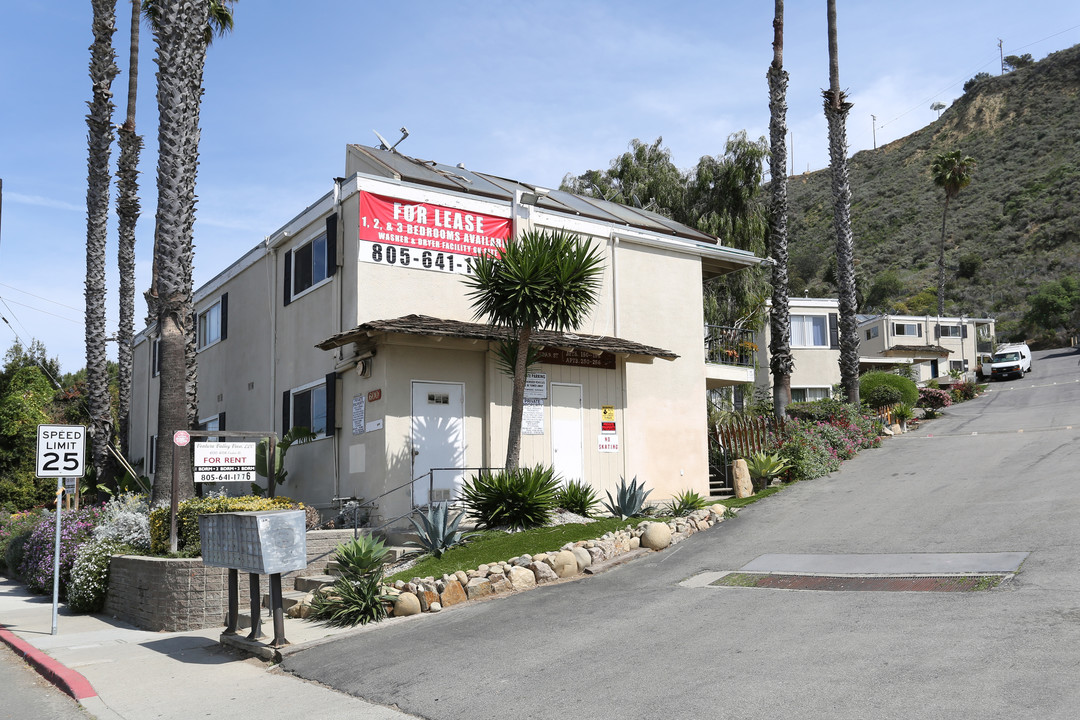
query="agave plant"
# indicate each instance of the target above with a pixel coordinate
(350, 602)
(765, 466)
(435, 532)
(518, 499)
(577, 497)
(686, 502)
(361, 557)
(629, 499)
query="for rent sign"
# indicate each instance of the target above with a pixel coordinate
(425, 236)
(224, 462)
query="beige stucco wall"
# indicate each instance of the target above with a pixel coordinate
(815, 367)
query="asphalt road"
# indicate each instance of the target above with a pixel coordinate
(997, 474)
(27, 695)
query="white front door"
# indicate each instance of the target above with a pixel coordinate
(438, 441)
(567, 452)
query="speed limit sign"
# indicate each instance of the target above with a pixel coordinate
(61, 451)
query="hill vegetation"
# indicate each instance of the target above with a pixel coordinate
(1011, 232)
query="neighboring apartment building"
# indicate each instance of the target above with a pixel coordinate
(934, 345)
(815, 347)
(353, 320)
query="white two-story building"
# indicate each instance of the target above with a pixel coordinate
(353, 320)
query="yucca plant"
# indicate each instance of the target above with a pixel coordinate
(577, 497)
(686, 502)
(349, 602)
(518, 499)
(629, 499)
(435, 532)
(902, 413)
(765, 466)
(361, 557)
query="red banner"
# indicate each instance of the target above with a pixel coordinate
(390, 221)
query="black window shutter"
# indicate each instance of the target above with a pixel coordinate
(224, 315)
(937, 331)
(155, 351)
(331, 404)
(963, 331)
(287, 284)
(918, 327)
(221, 421)
(834, 332)
(331, 244)
(286, 411)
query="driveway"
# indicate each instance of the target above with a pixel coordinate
(994, 475)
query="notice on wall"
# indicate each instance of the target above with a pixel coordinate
(223, 462)
(607, 443)
(536, 385)
(422, 236)
(359, 406)
(532, 417)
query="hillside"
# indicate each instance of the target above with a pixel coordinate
(1016, 226)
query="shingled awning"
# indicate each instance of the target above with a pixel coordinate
(436, 327)
(917, 351)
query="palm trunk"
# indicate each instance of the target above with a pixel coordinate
(517, 400)
(181, 55)
(836, 111)
(781, 362)
(127, 210)
(100, 136)
(941, 262)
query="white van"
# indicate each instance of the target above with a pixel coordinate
(1012, 360)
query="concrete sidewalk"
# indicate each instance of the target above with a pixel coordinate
(117, 671)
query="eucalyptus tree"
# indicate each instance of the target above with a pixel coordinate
(179, 35)
(103, 70)
(836, 111)
(951, 172)
(541, 280)
(781, 362)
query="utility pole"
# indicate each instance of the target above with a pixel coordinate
(873, 124)
(1001, 53)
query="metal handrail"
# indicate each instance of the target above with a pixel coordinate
(729, 346)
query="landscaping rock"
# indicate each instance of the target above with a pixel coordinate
(406, 604)
(543, 572)
(744, 486)
(597, 554)
(427, 597)
(521, 578)
(635, 542)
(499, 583)
(657, 536)
(478, 588)
(453, 594)
(565, 564)
(462, 578)
(584, 559)
(435, 607)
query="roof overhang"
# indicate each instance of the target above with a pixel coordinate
(370, 333)
(917, 353)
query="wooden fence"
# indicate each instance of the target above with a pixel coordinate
(747, 436)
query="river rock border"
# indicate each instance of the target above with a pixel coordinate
(526, 572)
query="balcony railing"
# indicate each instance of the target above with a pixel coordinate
(729, 346)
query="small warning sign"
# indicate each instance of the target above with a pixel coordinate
(608, 428)
(608, 443)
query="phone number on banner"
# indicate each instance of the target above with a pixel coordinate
(412, 257)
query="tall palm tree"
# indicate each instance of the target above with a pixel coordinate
(127, 211)
(836, 111)
(179, 33)
(952, 173)
(103, 70)
(542, 280)
(781, 362)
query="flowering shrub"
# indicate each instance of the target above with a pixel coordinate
(187, 519)
(90, 575)
(808, 451)
(125, 520)
(933, 399)
(36, 567)
(962, 391)
(14, 530)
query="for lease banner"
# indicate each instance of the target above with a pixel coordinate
(425, 236)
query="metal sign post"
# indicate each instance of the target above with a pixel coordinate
(61, 450)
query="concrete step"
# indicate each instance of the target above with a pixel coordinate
(288, 599)
(311, 583)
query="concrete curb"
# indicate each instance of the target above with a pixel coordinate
(62, 677)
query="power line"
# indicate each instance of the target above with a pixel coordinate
(39, 297)
(31, 307)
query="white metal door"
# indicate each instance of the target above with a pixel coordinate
(567, 451)
(438, 441)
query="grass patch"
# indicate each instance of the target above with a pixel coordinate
(738, 580)
(495, 546)
(743, 502)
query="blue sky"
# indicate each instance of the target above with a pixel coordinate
(527, 91)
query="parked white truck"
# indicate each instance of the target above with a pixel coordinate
(1012, 360)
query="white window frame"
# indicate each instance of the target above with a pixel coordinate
(913, 326)
(953, 331)
(326, 274)
(808, 322)
(204, 340)
(322, 432)
(826, 388)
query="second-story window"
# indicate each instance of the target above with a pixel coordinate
(309, 264)
(809, 331)
(213, 322)
(871, 333)
(907, 329)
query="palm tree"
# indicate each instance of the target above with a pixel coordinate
(781, 362)
(836, 111)
(951, 172)
(179, 33)
(541, 280)
(127, 211)
(103, 70)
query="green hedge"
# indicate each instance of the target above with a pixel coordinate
(909, 391)
(187, 519)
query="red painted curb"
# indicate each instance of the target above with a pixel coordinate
(62, 677)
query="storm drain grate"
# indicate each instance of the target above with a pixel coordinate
(940, 583)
